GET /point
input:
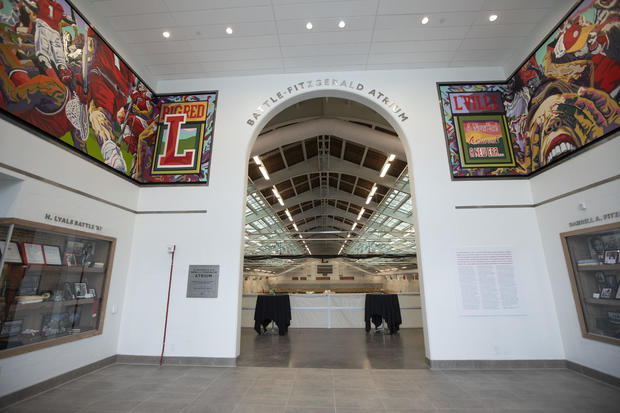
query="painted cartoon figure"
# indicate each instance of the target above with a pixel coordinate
(108, 91)
(564, 118)
(47, 41)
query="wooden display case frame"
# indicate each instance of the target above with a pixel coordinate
(574, 272)
(107, 272)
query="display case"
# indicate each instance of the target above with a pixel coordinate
(53, 285)
(592, 259)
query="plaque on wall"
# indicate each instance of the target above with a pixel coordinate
(202, 281)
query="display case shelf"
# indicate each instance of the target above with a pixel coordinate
(44, 272)
(598, 267)
(599, 318)
(49, 304)
(603, 301)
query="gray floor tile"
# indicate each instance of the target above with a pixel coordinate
(259, 408)
(200, 407)
(325, 387)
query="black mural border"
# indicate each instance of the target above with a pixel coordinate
(561, 160)
(17, 121)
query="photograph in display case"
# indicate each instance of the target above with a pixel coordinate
(52, 255)
(33, 253)
(70, 260)
(607, 292)
(11, 328)
(55, 323)
(80, 290)
(13, 255)
(611, 256)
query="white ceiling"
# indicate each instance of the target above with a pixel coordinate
(270, 35)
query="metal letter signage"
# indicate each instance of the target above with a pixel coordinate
(202, 281)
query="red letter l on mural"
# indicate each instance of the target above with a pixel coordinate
(171, 156)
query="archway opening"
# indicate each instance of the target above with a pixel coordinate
(330, 218)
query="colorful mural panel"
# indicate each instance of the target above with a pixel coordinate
(61, 78)
(564, 97)
(180, 151)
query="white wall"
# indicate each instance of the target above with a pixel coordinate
(210, 327)
(553, 218)
(34, 198)
(441, 228)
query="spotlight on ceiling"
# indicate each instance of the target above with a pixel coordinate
(493, 17)
(309, 26)
(229, 30)
(425, 20)
(166, 34)
(341, 24)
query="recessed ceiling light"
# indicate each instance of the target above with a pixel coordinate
(166, 34)
(309, 26)
(229, 30)
(493, 17)
(425, 20)
(341, 24)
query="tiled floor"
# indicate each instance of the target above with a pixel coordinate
(152, 389)
(346, 348)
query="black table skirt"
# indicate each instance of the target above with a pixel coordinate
(275, 308)
(382, 306)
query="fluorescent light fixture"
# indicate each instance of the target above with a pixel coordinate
(309, 26)
(257, 160)
(288, 214)
(296, 229)
(341, 24)
(300, 237)
(229, 30)
(373, 190)
(264, 172)
(277, 195)
(348, 235)
(368, 199)
(493, 17)
(383, 171)
(359, 216)
(166, 34)
(425, 20)
(354, 225)
(391, 157)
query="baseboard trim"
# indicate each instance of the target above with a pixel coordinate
(594, 374)
(177, 361)
(54, 382)
(495, 364)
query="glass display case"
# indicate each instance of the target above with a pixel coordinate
(592, 259)
(53, 285)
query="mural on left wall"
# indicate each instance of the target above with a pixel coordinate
(60, 77)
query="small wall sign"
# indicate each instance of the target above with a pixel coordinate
(202, 281)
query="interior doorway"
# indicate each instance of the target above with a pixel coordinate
(329, 219)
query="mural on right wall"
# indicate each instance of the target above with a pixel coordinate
(564, 97)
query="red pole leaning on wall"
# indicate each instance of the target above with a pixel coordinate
(163, 346)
